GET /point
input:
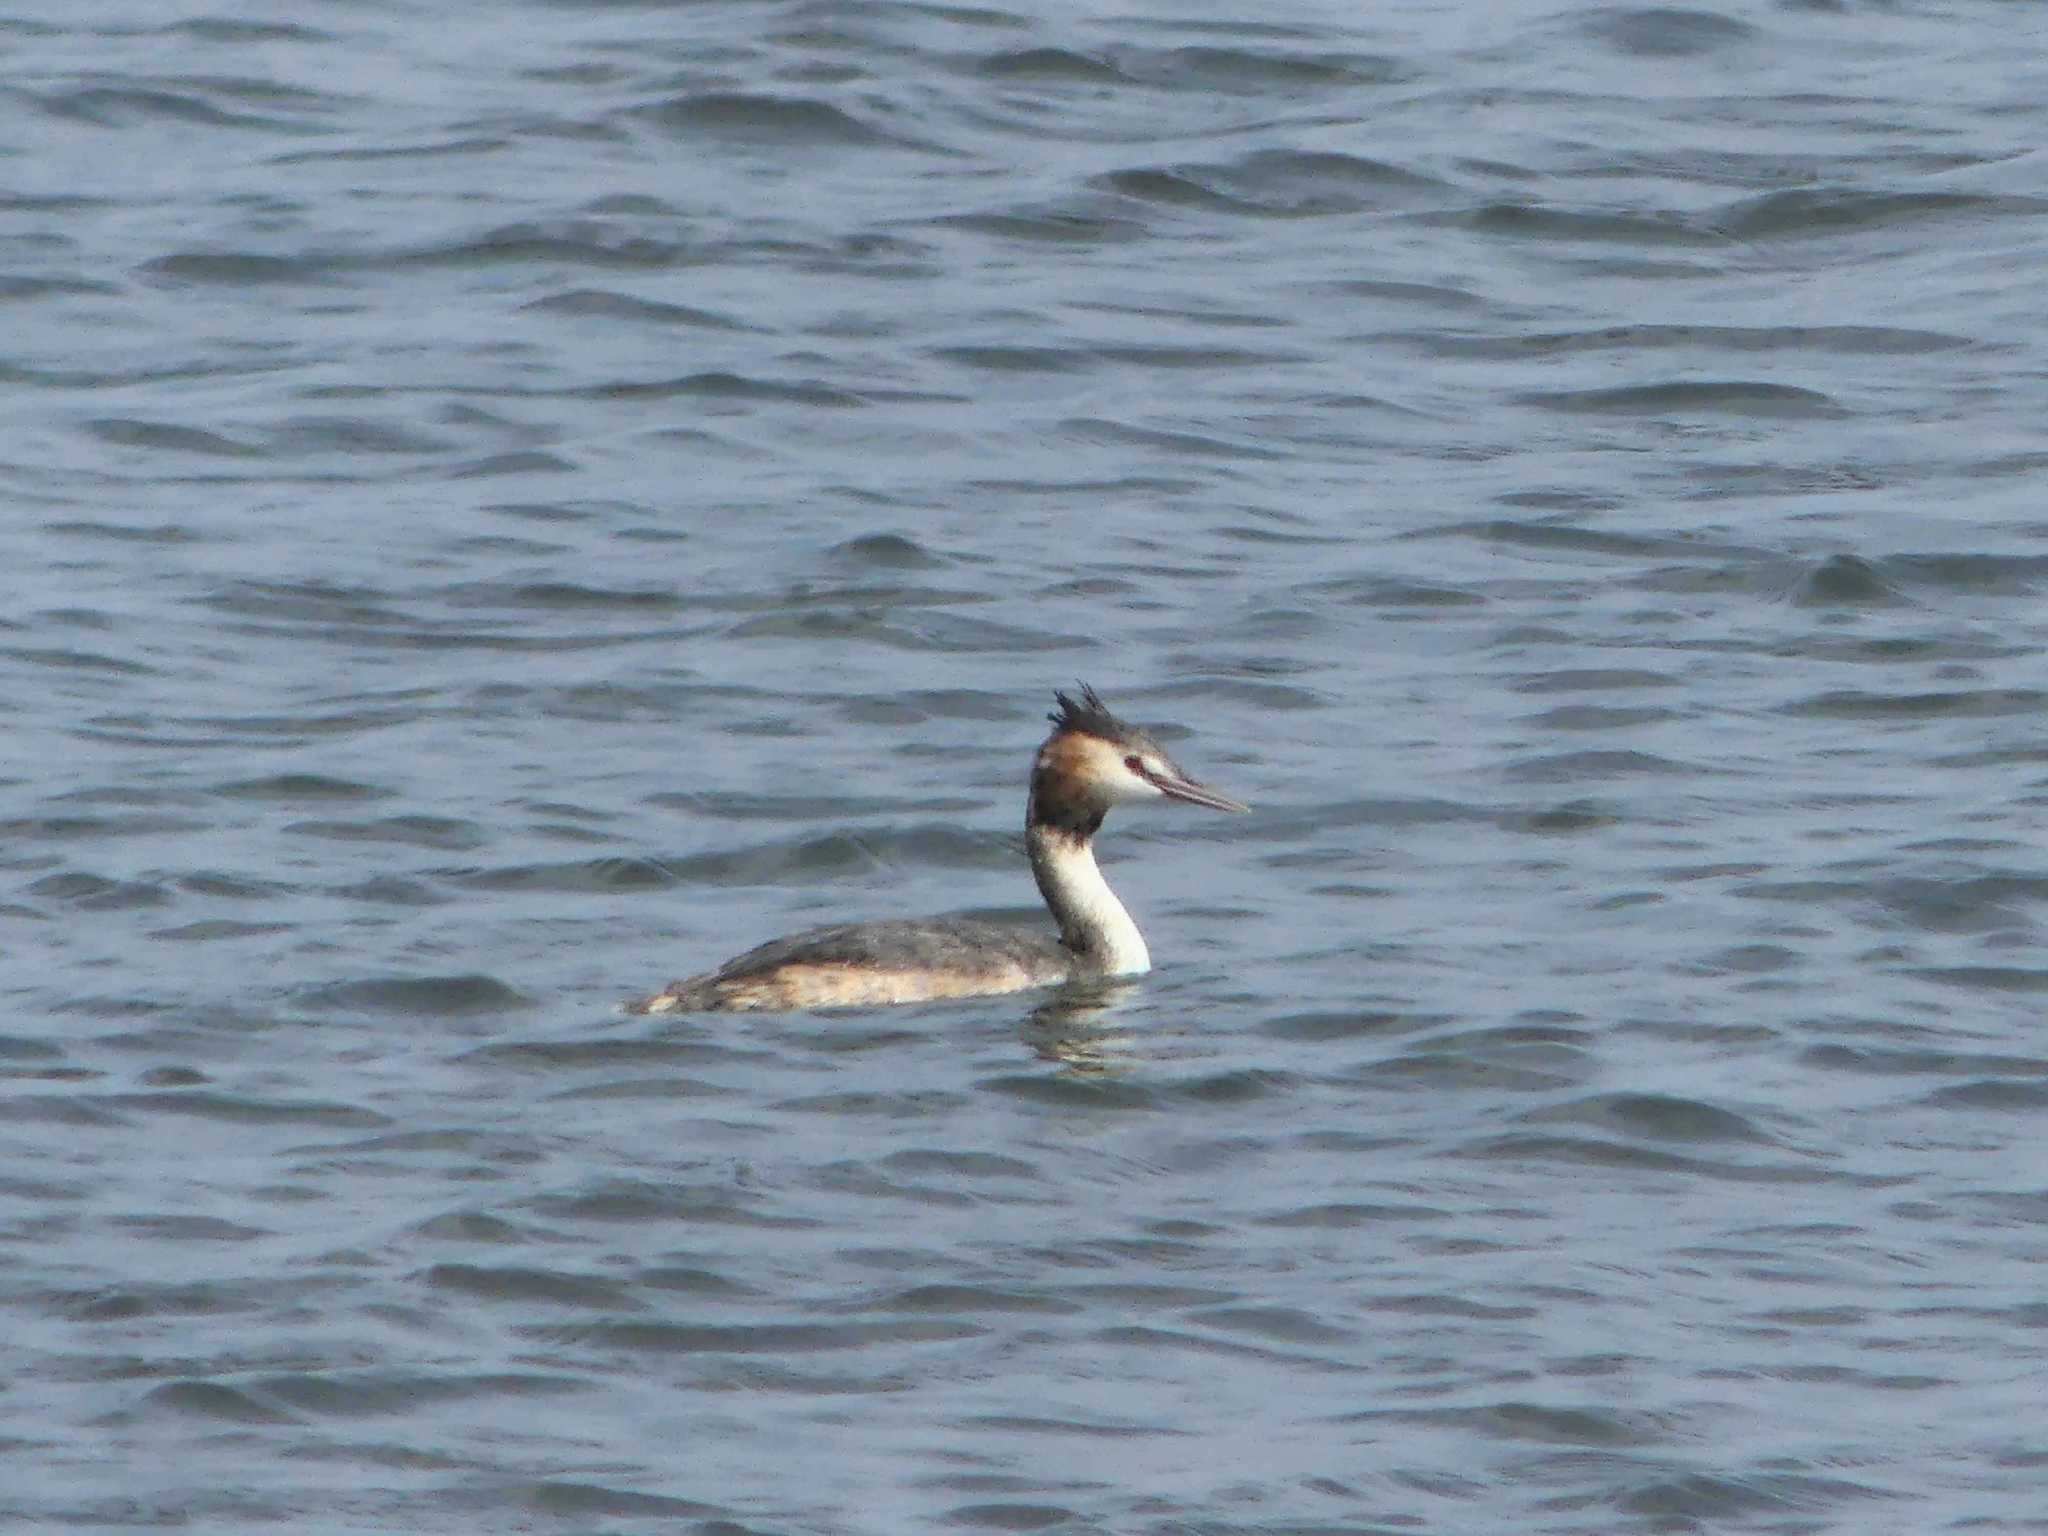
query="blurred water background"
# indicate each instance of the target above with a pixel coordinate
(508, 504)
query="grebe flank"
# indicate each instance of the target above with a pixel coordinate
(1091, 762)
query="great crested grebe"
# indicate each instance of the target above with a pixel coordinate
(1090, 762)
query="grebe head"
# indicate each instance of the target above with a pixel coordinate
(1093, 761)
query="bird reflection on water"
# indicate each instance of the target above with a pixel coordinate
(1072, 1027)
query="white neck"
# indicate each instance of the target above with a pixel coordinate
(1093, 923)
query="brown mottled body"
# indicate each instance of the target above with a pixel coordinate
(853, 965)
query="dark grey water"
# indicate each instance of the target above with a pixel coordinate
(507, 505)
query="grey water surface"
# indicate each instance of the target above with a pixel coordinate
(505, 505)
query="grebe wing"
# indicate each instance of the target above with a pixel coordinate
(901, 944)
(857, 964)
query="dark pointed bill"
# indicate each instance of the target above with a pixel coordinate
(1176, 787)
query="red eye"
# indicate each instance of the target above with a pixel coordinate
(1134, 764)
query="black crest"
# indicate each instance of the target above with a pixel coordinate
(1091, 717)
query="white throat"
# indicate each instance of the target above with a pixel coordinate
(1093, 923)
